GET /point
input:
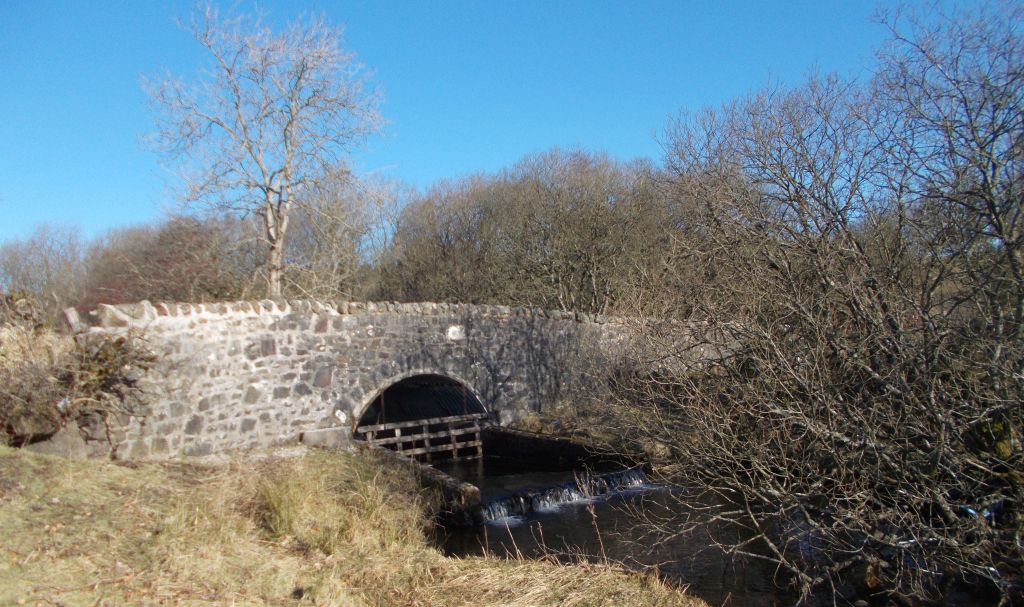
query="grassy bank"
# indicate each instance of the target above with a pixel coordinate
(321, 529)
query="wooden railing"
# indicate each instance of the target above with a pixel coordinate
(455, 437)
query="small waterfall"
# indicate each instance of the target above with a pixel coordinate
(585, 486)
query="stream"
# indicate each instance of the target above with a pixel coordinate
(540, 514)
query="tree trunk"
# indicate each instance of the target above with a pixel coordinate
(275, 226)
(275, 270)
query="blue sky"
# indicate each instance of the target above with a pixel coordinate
(468, 86)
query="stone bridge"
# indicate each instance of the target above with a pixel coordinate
(242, 375)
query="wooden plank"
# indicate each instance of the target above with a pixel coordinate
(421, 422)
(425, 436)
(438, 448)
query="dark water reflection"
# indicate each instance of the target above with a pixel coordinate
(609, 527)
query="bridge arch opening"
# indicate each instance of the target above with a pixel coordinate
(428, 416)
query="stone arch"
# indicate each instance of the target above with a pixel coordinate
(383, 385)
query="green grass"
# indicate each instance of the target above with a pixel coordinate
(327, 528)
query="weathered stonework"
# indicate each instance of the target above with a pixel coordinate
(243, 375)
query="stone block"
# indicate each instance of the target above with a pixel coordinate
(108, 316)
(198, 449)
(328, 438)
(252, 395)
(194, 425)
(300, 306)
(456, 333)
(137, 449)
(74, 321)
(66, 442)
(322, 377)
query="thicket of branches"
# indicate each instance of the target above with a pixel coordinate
(860, 250)
(559, 230)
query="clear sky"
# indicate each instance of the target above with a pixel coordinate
(468, 86)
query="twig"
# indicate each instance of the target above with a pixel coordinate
(597, 530)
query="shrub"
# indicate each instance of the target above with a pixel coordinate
(48, 380)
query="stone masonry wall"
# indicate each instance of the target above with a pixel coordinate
(241, 375)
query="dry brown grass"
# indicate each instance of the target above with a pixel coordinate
(324, 529)
(20, 345)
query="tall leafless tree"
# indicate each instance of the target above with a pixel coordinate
(270, 114)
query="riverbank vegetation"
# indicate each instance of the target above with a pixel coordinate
(49, 380)
(830, 276)
(859, 248)
(322, 528)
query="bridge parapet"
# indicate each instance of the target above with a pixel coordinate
(147, 315)
(237, 375)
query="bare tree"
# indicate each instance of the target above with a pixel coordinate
(561, 229)
(580, 223)
(956, 88)
(271, 113)
(178, 259)
(340, 230)
(48, 265)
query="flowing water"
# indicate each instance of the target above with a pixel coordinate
(597, 516)
(515, 504)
